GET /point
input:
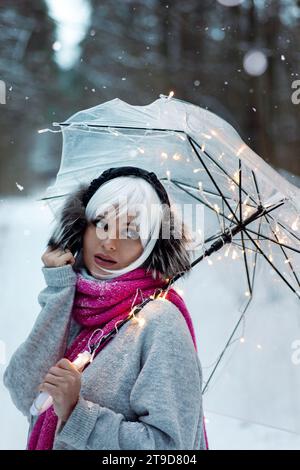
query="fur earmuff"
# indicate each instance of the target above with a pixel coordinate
(71, 224)
(169, 257)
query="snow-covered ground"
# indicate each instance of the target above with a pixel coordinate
(252, 403)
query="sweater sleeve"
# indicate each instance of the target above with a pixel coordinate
(166, 397)
(47, 340)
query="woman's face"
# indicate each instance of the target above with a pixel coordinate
(111, 237)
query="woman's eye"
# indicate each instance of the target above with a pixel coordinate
(132, 234)
(100, 223)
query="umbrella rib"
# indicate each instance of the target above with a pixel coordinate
(211, 193)
(225, 348)
(156, 129)
(241, 246)
(274, 241)
(286, 229)
(242, 234)
(214, 182)
(200, 200)
(219, 166)
(274, 233)
(279, 223)
(285, 255)
(256, 186)
(223, 222)
(273, 266)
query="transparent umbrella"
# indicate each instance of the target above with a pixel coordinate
(249, 241)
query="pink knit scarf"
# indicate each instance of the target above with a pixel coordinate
(102, 304)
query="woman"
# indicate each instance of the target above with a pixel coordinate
(143, 389)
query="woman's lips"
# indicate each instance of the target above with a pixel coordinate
(103, 262)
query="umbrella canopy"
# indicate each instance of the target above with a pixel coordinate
(249, 227)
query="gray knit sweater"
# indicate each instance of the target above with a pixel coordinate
(142, 391)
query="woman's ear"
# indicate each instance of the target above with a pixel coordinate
(71, 223)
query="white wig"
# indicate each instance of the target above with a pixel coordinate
(135, 196)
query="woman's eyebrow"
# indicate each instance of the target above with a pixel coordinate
(100, 216)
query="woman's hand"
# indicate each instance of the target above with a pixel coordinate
(56, 258)
(63, 383)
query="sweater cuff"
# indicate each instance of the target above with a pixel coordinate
(77, 429)
(60, 276)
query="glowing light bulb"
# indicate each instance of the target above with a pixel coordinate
(295, 225)
(240, 150)
(141, 321)
(206, 136)
(179, 291)
(236, 176)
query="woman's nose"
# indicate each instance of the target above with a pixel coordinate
(109, 243)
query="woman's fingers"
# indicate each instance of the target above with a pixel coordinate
(65, 364)
(67, 258)
(57, 257)
(58, 371)
(46, 387)
(53, 379)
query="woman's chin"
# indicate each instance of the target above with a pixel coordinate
(98, 273)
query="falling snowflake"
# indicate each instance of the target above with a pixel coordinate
(19, 186)
(56, 46)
